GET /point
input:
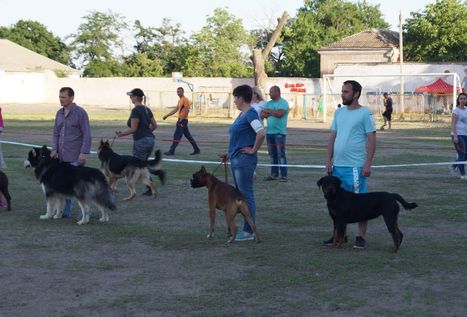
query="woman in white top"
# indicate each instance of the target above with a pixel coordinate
(257, 101)
(459, 133)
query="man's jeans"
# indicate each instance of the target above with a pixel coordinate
(276, 150)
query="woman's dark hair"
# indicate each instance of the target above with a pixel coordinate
(461, 94)
(244, 91)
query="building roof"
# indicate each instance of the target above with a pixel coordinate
(368, 39)
(16, 58)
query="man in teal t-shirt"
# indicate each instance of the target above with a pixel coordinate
(276, 111)
(351, 147)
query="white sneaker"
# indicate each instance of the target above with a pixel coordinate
(464, 177)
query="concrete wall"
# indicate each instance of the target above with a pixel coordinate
(39, 88)
(330, 59)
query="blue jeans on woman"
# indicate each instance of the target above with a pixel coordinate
(276, 150)
(461, 148)
(243, 167)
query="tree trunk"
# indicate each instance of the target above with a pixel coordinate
(259, 56)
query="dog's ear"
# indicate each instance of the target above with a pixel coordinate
(203, 170)
(320, 182)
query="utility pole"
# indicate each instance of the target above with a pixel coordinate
(401, 59)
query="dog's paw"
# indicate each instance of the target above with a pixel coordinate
(57, 216)
(210, 235)
(44, 217)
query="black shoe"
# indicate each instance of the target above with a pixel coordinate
(168, 153)
(360, 243)
(195, 153)
(329, 242)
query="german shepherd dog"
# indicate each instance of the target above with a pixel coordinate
(345, 207)
(60, 180)
(115, 166)
(4, 189)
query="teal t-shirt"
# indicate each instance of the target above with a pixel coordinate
(351, 128)
(277, 125)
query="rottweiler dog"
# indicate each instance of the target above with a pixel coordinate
(224, 197)
(345, 207)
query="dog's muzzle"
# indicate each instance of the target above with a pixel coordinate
(27, 164)
(194, 183)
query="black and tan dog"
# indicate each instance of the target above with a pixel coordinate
(115, 166)
(345, 207)
(224, 197)
(4, 189)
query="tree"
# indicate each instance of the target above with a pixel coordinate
(97, 40)
(164, 46)
(319, 23)
(35, 36)
(438, 33)
(260, 55)
(220, 49)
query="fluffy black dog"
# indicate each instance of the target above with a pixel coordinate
(60, 180)
(345, 207)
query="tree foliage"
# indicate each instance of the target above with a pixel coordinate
(221, 48)
(322, 22)
(97, 41)
(35, 36)
(439, 33)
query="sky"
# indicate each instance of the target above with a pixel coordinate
(63, 19)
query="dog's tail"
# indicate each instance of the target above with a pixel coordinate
(404, 203)
(155, 167)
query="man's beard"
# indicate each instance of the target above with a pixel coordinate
(347, 102)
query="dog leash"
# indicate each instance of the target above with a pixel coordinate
(224, 161)
(115, 136)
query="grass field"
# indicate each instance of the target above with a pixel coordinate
(153, 258)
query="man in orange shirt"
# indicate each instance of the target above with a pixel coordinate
(181, 128)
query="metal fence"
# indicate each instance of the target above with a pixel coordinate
(304, 106)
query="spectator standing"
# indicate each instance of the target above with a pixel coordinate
(387, 112)
(276, 112)
(459, 134)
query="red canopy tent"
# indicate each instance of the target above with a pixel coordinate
(438, 87)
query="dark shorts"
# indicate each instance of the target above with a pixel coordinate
(387, 114)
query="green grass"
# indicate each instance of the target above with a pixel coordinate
(153, 257)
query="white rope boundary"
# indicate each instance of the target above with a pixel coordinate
(279, 165)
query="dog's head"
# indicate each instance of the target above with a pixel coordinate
(330, 185)
(199, 178)
(104, 150)
(36, 155)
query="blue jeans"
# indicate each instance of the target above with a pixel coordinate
(143, 147)
(276, 150)
(68, 206)
(243, 167)
(461, 149)
(181, 128)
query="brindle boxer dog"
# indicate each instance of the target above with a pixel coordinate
(224, 197)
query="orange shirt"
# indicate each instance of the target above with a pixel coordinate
(183, 107)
